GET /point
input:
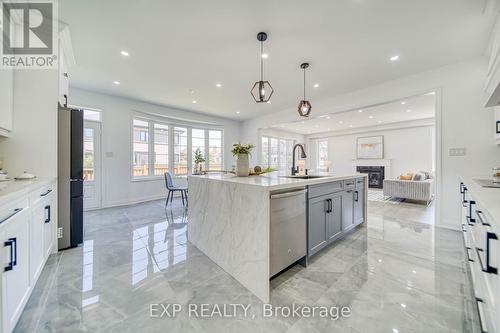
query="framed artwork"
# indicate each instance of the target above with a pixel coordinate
(370, 147)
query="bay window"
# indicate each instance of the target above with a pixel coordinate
(160, 147)
(276, 153)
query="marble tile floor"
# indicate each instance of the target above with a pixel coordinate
(396, 275)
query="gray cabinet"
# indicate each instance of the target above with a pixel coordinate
(325, 221)
(347, 210)
(359, 206)
(317, 235)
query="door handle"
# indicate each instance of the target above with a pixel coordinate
(461, 188)
(464, 193)
(330, 205)
(473, 220)
(47, 209)
(11, 242)
(489, 268)
(468, 256)
(356, 198)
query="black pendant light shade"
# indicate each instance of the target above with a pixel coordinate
(305, 107)
(262, 90)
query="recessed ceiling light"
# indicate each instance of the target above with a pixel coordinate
(371, 117)
(350, 126)
(194, 101)
(218, 85)
(403, 102)
(328, 117)
(265, 55)
(237, 112)
(408, 110)
(316, 85)
(268, 102)
(360, 111)
(116, 82)
(380, 121)
(394, 58)
(124, 53)
(403, 305)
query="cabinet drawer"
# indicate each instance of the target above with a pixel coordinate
(8, 211)
(360, 183)
(350, 184)
(41, 193)
(322, 189)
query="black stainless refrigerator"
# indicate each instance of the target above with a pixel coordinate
(70, 177)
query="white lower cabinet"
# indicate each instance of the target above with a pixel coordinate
(482, 243)
(16, 268)
(26, 241)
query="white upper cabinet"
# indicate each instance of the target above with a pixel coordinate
(492, 84)
(6, 100)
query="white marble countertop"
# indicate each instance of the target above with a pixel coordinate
(19, 187)
(488, 197)
(276, 180)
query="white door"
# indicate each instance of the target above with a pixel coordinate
(92, 165)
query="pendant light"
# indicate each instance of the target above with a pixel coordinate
(304, 105)
(262, 90)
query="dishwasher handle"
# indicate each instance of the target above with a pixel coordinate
(288, 194)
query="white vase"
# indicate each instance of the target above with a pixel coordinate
(242, 165)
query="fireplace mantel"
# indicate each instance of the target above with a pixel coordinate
(386, 163)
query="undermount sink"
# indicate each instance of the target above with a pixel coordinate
(304, 176)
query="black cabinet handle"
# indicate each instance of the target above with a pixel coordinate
(483, 220)
(47, 209)
(46, 193)
(65, 100)
(464, 194)
(480, 303)
(17, 210)
(472, 220)
(468, 256)
(331, 205)
(356, 198)
(11, 242)
(327, 206)
(489, 268)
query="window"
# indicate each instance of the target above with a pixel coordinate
(276, 153)
(215, 154)
(141, 148)
(180, 151)
(88, 154)
(161, 149)
(322, 154)
(198, 142)
(91, 115)
(158, 148)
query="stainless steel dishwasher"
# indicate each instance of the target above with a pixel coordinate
(288, 228)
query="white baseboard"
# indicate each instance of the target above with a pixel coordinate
(134, 201)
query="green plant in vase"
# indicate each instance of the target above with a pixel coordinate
(242, 163)
(198, 160)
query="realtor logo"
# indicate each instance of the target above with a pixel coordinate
(29, 34)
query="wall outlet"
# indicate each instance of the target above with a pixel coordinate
(60, 232)
(457, 152)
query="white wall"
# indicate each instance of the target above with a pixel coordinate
(117, 186)
(462, 122)
(32, 146)
(409, 149)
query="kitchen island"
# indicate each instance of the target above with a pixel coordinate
(230, 218)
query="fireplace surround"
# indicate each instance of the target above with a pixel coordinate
(376, 175)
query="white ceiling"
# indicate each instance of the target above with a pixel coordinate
(178, 46)
(400, 112)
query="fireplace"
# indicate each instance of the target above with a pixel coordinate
(375, 175)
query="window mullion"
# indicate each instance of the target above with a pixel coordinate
(151, 145)
(189, 148)
(207, 149)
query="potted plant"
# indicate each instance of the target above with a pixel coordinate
(198, 161)
(242, 163)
